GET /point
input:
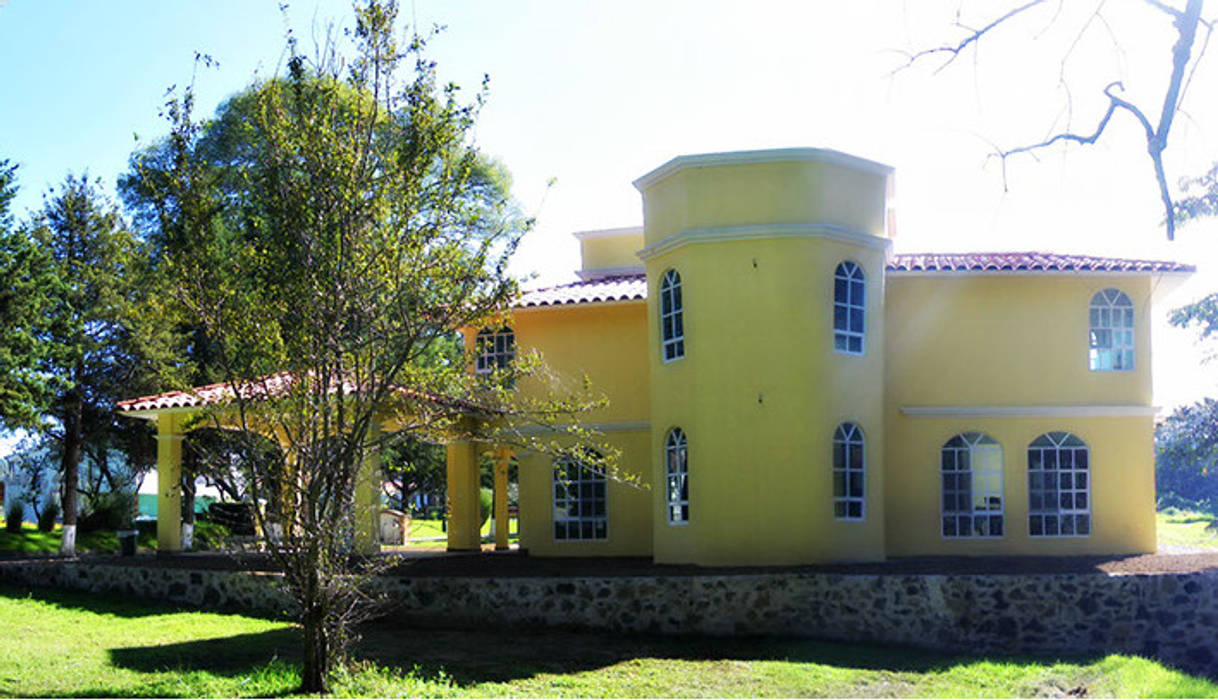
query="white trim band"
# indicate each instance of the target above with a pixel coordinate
(608, 233)
(1030, 411)
(751, 233)
(1036, 273)
(774, 155)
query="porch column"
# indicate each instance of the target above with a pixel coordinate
(169, 482)
(368, 498)
(503, 459)
(464, 518)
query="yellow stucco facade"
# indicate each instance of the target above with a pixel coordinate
(762, 382)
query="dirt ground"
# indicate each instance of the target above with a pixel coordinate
(420, 563)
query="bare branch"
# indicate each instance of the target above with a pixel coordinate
(973, 36)
(1165, 8)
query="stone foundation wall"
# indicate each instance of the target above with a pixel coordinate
(1171, 617)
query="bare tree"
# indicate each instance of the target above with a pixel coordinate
(1155, 122)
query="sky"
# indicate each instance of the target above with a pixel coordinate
(585, 97)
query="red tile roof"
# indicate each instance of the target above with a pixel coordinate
(1026, 262)
(630, 287)
(624, 288)
(216, 394)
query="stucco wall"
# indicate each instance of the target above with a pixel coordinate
(1170, 617)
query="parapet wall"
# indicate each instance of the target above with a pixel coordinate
(1171, 617)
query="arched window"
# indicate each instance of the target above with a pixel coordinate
(849, 297)
(580, 511)
(496, 350)
(676, 459)
(849, 465)
(672, 317)
(1111, 331)
(1059, 486)
(971, 469)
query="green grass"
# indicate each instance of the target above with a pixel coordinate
(1186, 528)
(31, 541)
(63, 643)
(420, 529)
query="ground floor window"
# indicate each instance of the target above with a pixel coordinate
(971, 472)
(580, 511)
(848, 471)
(676, 460)
(1059, 486)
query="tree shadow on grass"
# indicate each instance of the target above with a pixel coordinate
(473, 657)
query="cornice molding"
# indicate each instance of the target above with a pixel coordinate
(776, 155)
(752, 233)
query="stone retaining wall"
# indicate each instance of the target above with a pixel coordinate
(1173, 617)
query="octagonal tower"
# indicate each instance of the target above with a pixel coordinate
(755, 373)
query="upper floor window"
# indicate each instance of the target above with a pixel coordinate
(672, 317)
(496, 350)
(1059, 486)
(580, 511)
(1111, 331)
(849, 297)
(848, 468)
(676, 459)
(971, 470)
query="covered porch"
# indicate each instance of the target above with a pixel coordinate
(176, 413)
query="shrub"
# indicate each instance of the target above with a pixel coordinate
(48, 516)
(211, 536)
(486, 501)
(14, 515)
(109, 511)
(237, 518)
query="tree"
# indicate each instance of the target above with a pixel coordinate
(328, 267)
(412, 466)
(1155, 123)
(1186, 457)
(94, 258)
(27, 287)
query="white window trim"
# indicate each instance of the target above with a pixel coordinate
(1112, 306)
(1057, 446)
(554, 504)
(487, 361)
(854, 438)
(845, 271)
(670, 445)
(670, 282)
(972, 440)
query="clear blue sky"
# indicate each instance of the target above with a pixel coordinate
(595, 94)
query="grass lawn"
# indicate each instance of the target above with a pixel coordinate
(73, 644)
(1186, 528)
(421, 529)
(31, 541)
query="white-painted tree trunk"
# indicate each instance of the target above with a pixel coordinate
(67, 545)
(188, 535)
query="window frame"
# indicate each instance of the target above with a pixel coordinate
(672, 309)
(848, 437)
(853, 279)
(585, 476)
(1111, 303)
(971, 443)
(1058, 444)
(677, 443)
(497, 358)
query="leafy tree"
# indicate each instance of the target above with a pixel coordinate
(328, 266)
(412, 466)
(1186, 457)
(27, 287)
(96, 259)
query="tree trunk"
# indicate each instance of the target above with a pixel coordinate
(316, 654)
(70, 469)
(188, 500)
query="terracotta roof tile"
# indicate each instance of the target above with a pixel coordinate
(623, 288)
(1027, 262)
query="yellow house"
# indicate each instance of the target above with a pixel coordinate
(789, 391)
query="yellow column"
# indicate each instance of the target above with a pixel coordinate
(169, 482)
(503, 459)
(464, 520)
(368, 498)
